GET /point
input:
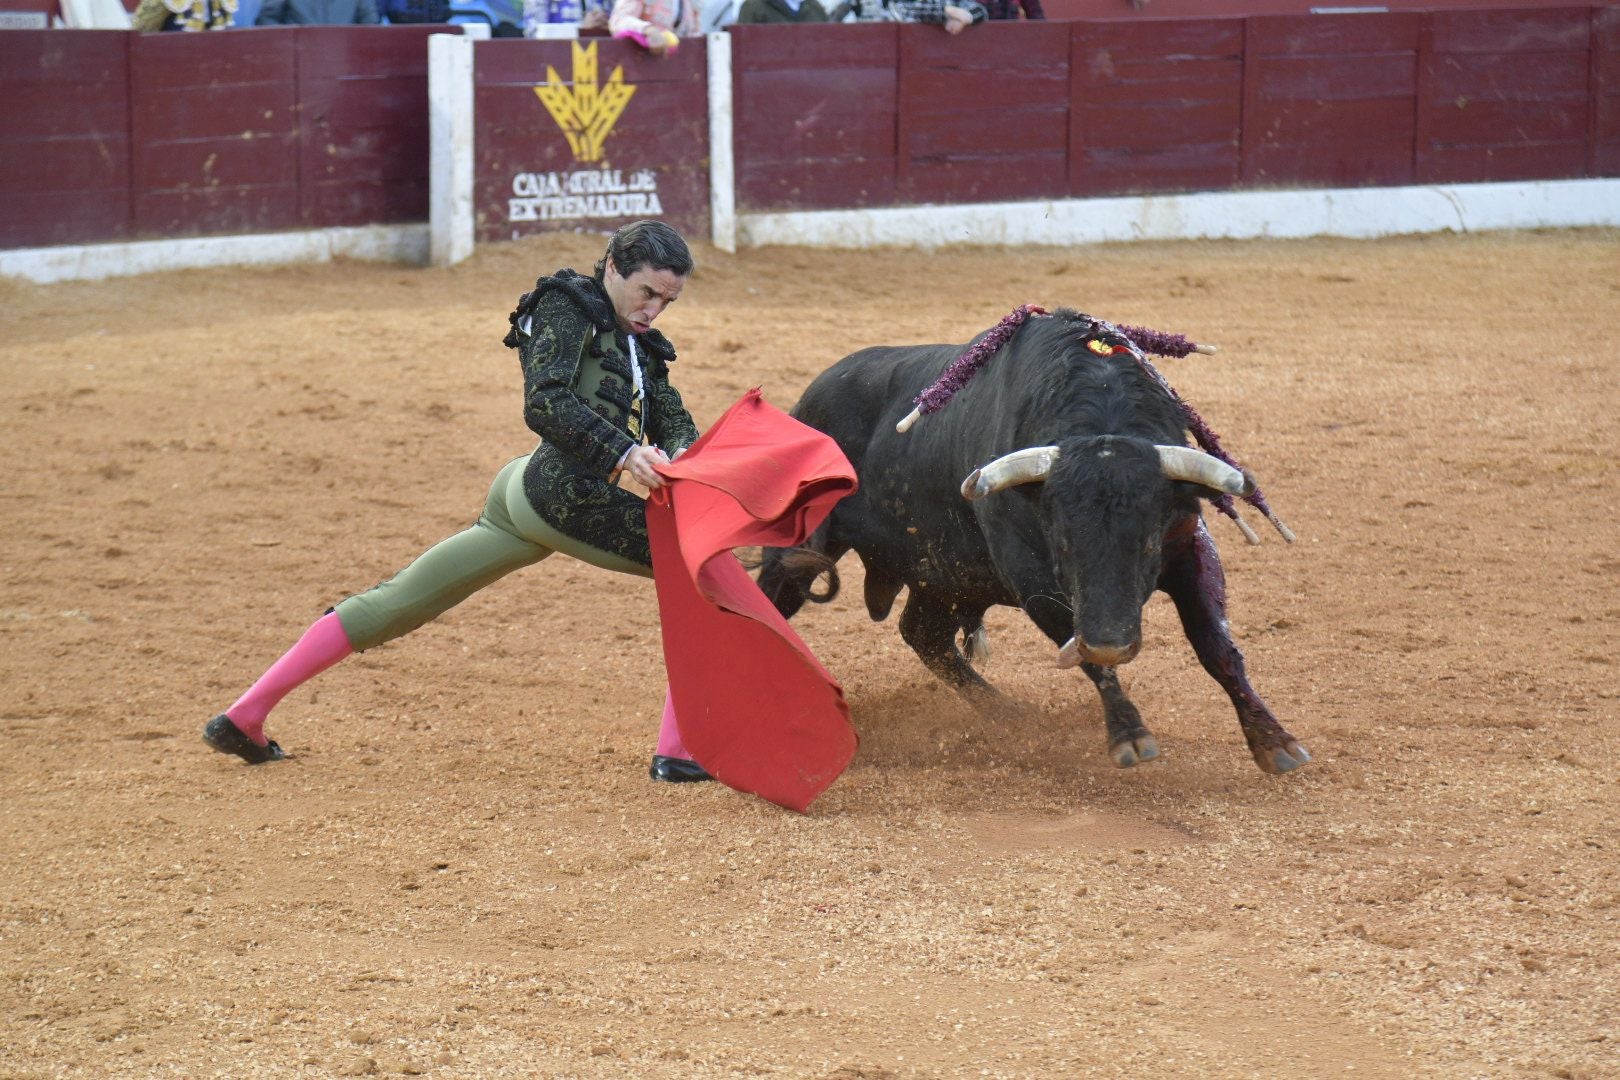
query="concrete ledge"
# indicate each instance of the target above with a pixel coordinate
(1227, 215)
(372, 243)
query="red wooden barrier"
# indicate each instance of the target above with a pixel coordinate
(1504, 95)
(1156, 106)
(1329, 102)
(64, 137)
(1605, 131)
(363, 140)
(214, 123)
(653, 161)
(108, 135)
(112, 136)
(1011, 111)
(983, 120)
(814, 115)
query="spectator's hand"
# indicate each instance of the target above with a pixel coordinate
(957, 19)
(594, 20)
(639, 464)
(660, 42)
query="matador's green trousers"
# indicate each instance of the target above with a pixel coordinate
(508, 535)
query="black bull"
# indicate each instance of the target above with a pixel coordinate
(1079, 546)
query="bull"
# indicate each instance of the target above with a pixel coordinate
(1081, 498)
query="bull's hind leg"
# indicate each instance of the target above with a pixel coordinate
(1129, 740)
(930, 628)
(1193, 577)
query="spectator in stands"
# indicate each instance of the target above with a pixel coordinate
(317, 13)
(656, 25)
(1008, 9)
(781, 11)
(154, 15)
(411, 12)
(955, 16)
(585, 14)
(718, 14)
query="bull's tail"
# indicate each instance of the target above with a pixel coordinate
(787, 577)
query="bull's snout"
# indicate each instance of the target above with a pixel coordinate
(1076, 652)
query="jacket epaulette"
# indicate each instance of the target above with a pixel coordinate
(585, 294)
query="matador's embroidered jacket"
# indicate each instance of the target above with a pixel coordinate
(579, 397)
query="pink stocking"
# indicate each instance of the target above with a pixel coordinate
(322, 645)
(669, 736)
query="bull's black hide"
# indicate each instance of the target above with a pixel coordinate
(1080, 551)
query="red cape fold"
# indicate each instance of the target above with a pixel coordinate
(754, 705)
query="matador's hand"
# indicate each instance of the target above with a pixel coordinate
(639, 463)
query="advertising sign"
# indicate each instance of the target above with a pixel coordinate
(610, 134)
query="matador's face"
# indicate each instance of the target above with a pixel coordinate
(641, 297)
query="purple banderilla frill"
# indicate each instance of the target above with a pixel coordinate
(1210, 443)
(964, 367)
(1152, 341)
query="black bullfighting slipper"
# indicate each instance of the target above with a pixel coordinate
(227, 738)
(676, 770)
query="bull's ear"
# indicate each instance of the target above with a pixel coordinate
(1018, 467)
(1197, 467)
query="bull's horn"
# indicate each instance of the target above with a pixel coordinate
(1018, 467)
(1069, 655)
(1195, 466)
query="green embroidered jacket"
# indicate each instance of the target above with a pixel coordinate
(578, 396)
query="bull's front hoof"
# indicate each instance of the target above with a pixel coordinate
(1128, 752)
(1280, 759)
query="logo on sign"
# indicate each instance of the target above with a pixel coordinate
(585, 111)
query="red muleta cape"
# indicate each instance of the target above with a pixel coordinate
(754, 705)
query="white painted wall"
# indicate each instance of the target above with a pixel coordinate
(451, 221)
(722, 162)
(91, 262)
(1233, 215)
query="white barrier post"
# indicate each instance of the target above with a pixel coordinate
(450, 156)
(722, 166)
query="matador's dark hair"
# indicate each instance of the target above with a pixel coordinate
(646, 243)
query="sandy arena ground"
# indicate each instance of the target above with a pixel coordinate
(464, 871)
